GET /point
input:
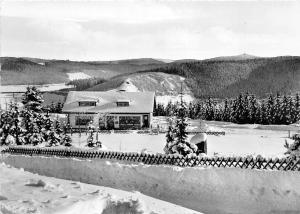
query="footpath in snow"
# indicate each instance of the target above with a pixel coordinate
(207, 190)
(23, 192)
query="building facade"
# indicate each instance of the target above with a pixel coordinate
(110, 110)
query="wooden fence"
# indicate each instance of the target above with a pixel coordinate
(157, 159)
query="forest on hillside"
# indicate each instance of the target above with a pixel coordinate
(243, 109)
(228, 78)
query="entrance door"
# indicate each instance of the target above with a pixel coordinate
(110, 122)
(145, 121)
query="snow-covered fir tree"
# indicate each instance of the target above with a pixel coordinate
(297, 108)
(270, 109)
(209, 109)
(170, 136)
(263, 114)
(32, 99)
(253, 109)
(226, 111)
(179, 145)
(28, 125)
(277, 109)
(286, 110)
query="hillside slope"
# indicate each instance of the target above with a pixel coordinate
(42, 71)
(227, 78)
(161, 83)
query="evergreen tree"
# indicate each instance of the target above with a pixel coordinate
(238, 110)
(263, 114)
(226, 111)
(297, 108)
(168, 109)
(53, 138)
(59, 107)
(181, 145)
(277, 109)
(191, 111)
(209, 109)
(253, 109)
(286, 110)
(199, 110)
(170, 137)
(32, 99)
(270, 108)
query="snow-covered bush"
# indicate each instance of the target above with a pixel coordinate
(293, 150)
(90, 140)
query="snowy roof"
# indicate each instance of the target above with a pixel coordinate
(140, 102)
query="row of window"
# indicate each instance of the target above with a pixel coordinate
(130, 120)
(92, 103)
(85, 103)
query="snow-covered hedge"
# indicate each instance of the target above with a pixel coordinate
(209, 190)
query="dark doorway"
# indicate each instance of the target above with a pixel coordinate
(145, 121)
(110, 122)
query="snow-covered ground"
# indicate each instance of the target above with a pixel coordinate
(208, 190)
(23, 192)
(169, 98)
(22, 88)
(78, 75)
(239, 140)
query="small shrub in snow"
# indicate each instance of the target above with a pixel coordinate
(293, 150)
(91, 142)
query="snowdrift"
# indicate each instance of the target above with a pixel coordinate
(208, 190)
(23, 192)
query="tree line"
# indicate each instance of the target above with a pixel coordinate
(83, 84)
(245, 108)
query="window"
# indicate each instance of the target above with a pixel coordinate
(130, 122)
(122, 104)
(87, 103)
(83, 120)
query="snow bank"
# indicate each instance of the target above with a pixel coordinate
(209, 190)
(23, 192)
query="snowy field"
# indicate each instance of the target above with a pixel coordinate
(44, 87)
(78, 75)
(239, 140)
(23, 192)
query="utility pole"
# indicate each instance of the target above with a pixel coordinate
(181, 92)
(0, 88)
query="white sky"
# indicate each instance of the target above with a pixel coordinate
(94, 30)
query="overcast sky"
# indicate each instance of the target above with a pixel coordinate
(95, 30)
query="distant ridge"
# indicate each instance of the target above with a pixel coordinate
(243, 56)
(219, 77)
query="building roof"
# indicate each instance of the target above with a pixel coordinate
(106, 101)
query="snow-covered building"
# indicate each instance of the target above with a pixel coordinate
(110, 109)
